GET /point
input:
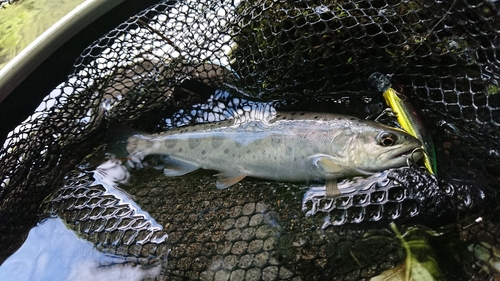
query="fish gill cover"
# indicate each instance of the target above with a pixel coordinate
(190, 62)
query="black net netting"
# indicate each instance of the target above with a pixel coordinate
(182, 63)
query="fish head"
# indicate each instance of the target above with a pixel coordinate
(375, 147)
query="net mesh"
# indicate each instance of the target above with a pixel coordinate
(4, 3)
(163, 68)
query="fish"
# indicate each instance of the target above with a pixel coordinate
(407, 117)
(285, 147)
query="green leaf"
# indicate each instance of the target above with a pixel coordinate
(423, 268)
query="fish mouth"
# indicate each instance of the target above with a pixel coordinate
(405, 153)
(414, 153)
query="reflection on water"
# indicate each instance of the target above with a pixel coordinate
(23, 21)
(53, 252)
(108, 175)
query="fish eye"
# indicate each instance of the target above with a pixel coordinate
(387, 139)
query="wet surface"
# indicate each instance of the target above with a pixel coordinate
(258, 230)
(53, 252)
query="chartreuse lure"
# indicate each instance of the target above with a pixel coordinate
(407, 117)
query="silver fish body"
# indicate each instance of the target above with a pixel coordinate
(286, 147)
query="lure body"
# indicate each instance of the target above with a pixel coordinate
(407, 117)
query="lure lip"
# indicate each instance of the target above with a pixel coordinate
(379, 81)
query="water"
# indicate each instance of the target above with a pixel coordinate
(249, 230)
(53, 252)
(209, 229)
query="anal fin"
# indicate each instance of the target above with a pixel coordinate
(227, 179)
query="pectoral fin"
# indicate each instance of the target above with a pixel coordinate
(331, 188)
(174, 167)
(227, 179)
(326, 163)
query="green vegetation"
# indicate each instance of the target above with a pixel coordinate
(419, 264)
(23, 21)
(12, 19)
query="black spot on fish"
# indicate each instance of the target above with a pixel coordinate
(238, 144)
(203, 152)
(180, 149)
(216, 142)
(193, 143)
(295, 159)
(276, 142)
(226, 151)
(171, 143)
(234, 154)
(248, 151)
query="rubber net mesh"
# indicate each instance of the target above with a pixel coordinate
(189, 62)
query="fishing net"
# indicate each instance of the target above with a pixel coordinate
(190, 62)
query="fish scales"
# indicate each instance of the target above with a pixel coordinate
(285, 147)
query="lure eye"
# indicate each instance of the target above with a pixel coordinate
(387, 139)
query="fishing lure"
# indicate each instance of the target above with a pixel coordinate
(407, 117)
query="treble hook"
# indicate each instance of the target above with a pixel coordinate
(410, 161)
(388, 111)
